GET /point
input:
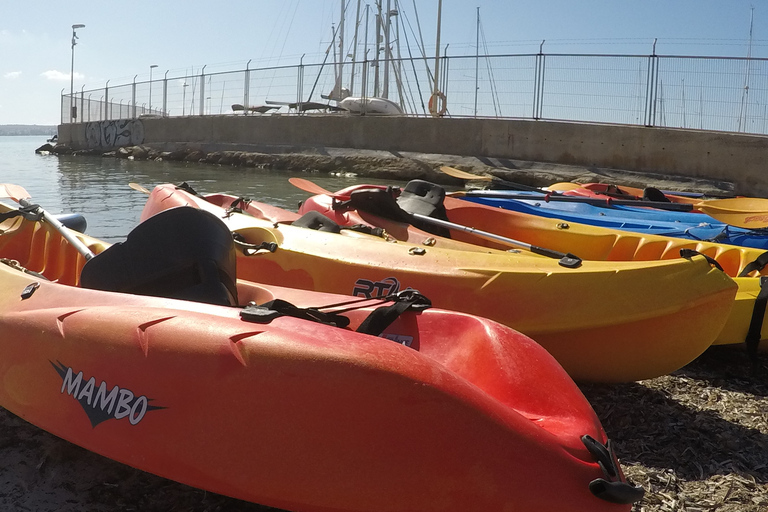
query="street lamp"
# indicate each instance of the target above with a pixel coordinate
(73, 112)
(153, 66)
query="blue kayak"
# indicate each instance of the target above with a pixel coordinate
(693, 226)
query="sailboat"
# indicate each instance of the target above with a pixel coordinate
(364, 105)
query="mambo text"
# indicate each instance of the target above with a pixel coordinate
(101, 403)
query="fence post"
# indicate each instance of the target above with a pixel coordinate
(300, 86)
(165, 94)
(133, 97)
(651, 88)
(202, 91)
(106, 99)
(538, 82)
(247, 87)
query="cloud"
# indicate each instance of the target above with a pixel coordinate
(58, 76)
(12, 75)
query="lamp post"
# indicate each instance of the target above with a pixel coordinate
(153, 66)
(73, 109)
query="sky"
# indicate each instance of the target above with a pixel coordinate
(121, 41)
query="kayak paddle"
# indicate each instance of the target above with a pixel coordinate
(18, 194)
(136, 186)
(566, 260)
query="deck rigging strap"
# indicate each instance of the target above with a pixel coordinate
(754, 334)
(690, 253)
(29, 212)
(758, 264)
(374, 324)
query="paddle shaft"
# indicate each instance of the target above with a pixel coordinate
(61, 228)
(566, 260)
(608, 201)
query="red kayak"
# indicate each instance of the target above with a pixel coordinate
(153, 355)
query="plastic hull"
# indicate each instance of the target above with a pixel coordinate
(692, 226)
(595, 319)
(292, 413)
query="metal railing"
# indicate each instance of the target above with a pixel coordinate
(708, 93)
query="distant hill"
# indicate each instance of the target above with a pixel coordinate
(27, 129)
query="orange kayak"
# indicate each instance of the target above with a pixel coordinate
(442, 411)
(621, 192)
(748, 320)
(594, 319)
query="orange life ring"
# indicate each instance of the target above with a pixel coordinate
(443, 104)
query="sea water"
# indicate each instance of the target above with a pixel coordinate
(97, 187)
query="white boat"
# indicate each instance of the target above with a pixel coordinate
(376, 106)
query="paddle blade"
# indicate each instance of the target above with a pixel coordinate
(15, 192)
(136, 186)
(742, 212)
(563, 186)
(457, 173)
(308, 186)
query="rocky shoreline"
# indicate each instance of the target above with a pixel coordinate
(401, 166)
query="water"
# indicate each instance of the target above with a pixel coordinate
(98, 187)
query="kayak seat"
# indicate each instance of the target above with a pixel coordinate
(317, 221)
(654, 194)
(181, 253)
(425, 198)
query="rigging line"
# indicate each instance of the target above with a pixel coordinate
(317, 79)
(415, 74)
(421, 49)
(398, 69)
(287, 32)
(422, 46)
(274, 27)
(494, 89)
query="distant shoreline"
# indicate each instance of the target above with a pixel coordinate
(27, 129)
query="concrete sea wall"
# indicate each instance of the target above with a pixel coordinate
(729, 157)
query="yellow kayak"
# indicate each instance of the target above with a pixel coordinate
(603, 321)
(590, 243)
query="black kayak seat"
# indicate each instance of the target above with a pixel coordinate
(654, 194)
(425, 198)
(180, 253)
(317, 221)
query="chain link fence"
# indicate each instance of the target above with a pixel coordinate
(707, 93)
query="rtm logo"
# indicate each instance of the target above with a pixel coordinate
(101, 404)
(370, 289)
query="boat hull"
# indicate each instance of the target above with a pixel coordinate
(291, 413)
(595, 319)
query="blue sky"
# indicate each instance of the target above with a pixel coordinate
(122, 40)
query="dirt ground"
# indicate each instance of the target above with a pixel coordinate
(696, 440)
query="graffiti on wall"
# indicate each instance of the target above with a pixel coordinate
(112, 134)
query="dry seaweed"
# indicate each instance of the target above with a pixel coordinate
(697, 440)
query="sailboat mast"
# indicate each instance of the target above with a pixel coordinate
(354, 50)
(340, 77)
(477, 59)
(378, 49)
(364, 84)
(745, 93)
(435, 88)
(385, 91)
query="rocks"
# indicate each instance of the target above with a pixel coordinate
(401, 166)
